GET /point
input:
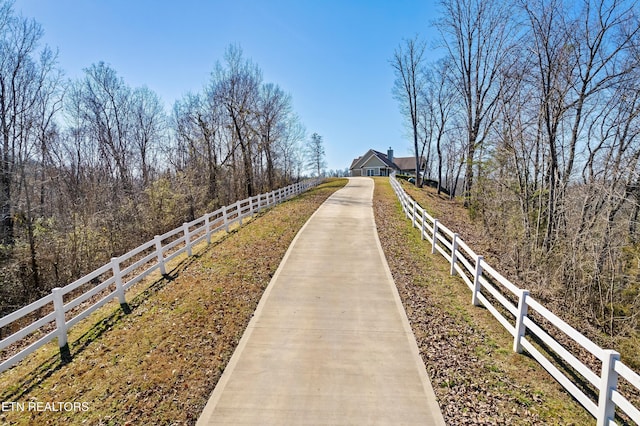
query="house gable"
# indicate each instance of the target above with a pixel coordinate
(357, 163)
(373, 161)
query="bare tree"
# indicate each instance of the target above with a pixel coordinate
(104, 105)
(426, 124)
(274, 110)
(439, 99)
(477, 35)
(29, 98)
(149, 128)
(290, 149)
(408, 63)
(198, 124)
(315, 154)
(33, 164)
(237, 90)
(22, 77)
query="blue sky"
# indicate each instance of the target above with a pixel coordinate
(331, 56)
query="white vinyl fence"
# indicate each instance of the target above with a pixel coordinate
(124, 271)
(510, 305)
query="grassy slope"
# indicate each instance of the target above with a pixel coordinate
(476, 376)
(159, 364)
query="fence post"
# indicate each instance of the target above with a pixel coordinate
(423, 227)
(207, 227)
(608, 383)
(520, 327)
(239, 211)
(158, 241)
(413, 214)
(226, 218)
(61, 324)
(476, 281)
(435, 236)
(187, 237)
(454, 258)
(117, 278)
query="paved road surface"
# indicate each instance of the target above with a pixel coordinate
(330, 342)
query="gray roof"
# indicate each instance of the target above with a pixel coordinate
(407, 163)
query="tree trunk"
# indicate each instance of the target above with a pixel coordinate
(6, 217)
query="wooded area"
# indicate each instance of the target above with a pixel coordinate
(92, 167)
(541, 118)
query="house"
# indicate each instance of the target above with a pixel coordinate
(375, 163)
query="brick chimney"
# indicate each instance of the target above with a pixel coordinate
(390, 154)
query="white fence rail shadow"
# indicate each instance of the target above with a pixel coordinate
(511, 305)
(123, 272)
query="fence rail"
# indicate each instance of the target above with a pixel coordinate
(512, 306)
(124, 271)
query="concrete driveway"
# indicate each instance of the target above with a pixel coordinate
(330, 342)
